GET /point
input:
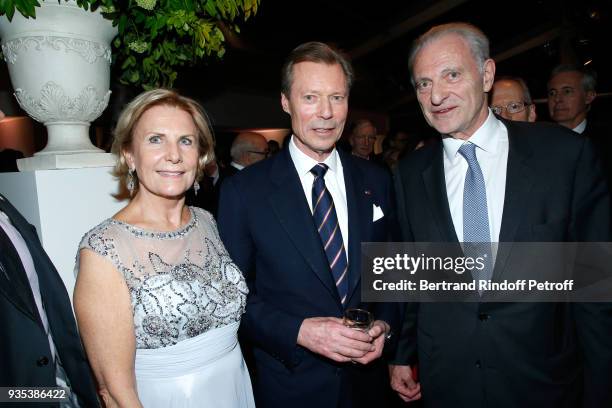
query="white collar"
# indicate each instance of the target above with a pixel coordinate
(581, 126)
(237, 165)
(484, 138)
(304, 163)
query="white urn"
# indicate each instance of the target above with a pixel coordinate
(59, 64)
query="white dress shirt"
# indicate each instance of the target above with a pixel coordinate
(334, 181)
(581, 126)
(237, 166)
(491, 141)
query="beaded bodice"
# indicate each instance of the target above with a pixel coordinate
(182, 283)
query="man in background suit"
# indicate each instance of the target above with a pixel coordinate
(527, 183)
(39, 344)
(247, 148)
(294, 224)
(571, 93)
(510, 99)
(362, 138)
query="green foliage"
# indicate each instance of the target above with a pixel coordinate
(158, 36)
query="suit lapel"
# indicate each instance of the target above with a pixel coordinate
(289, 204)
(435, 186)
(519, 181)
(359, 205)
(16, 292)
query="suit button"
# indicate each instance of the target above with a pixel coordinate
(42, 361)
(478, 364)
(483, 317)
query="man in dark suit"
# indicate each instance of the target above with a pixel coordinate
(39, 345)
(511, 182)
(294, 224)
(510, 99)
(571, 93)
(247, 149)
(362, 138)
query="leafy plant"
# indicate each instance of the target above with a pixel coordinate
(158, 36)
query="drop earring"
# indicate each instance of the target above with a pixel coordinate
(130, 182)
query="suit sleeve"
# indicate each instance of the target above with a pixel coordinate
(390, 312)
(406, 350)
(268, 327)
(591, 223)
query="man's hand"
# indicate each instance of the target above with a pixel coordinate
(403, 383)
(378, 331)
(330, 338)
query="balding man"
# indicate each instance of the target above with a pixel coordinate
(510, 99)
(248, 148)
(362, 138)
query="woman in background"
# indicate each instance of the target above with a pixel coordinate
(157, 299)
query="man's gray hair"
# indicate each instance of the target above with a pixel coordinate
(589, 77)
(242, 144)
(526, 94)
(476, 40)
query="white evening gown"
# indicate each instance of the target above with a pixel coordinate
(187, 299)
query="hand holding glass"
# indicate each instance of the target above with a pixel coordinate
(358, 319)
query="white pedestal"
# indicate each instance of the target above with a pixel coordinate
(63, 205)
(65, 161)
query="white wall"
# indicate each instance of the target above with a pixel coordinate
(63, 205)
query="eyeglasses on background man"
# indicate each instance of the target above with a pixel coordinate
(511, 108)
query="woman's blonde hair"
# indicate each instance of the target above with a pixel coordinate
(123, 133)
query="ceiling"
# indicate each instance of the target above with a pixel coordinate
(528, 38)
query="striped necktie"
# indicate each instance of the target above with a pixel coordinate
(476, 235)
(326, 220)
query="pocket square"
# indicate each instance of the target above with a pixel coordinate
(378, 213)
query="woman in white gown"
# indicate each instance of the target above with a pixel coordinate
(157, 298)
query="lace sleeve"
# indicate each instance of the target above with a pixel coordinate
(100, 241)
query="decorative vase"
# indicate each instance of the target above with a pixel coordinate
(59, 64)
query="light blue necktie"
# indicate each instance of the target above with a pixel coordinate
(476, 235)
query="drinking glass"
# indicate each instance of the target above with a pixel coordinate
(358, 319)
